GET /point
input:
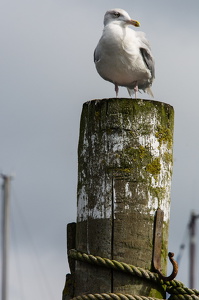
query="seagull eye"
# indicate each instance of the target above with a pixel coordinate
(117, 14)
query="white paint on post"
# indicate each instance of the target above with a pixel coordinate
(82, 205)
(117, 143)
(99, 211)
(128, 192)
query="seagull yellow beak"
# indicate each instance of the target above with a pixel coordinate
(134, 23)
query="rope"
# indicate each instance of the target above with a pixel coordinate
(113, 264)
(174, 287)
(113, 296)
(110, 296)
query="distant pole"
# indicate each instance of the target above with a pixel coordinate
(5, 233)
(192, 249)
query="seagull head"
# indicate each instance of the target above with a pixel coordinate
(119, 16)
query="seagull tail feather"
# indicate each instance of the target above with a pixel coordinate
(149, 91)
(130, 91)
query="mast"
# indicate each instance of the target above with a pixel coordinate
(5, 232)
(192, 249)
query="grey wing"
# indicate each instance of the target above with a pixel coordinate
(145, 51)
(149, 61)
(96, 54)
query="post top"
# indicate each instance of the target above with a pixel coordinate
(130, 100)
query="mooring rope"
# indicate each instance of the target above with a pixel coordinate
(110, 296)
(113, 296)
(175, 288)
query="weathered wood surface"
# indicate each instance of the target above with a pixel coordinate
(124, 174)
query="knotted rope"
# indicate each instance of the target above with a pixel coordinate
(175, 288)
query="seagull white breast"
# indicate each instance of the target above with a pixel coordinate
(118, 55)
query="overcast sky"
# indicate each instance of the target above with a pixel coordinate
(47, 73)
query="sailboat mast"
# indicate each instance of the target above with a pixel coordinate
(5, 233)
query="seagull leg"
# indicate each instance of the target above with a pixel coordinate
(116, 89)
(136, 89)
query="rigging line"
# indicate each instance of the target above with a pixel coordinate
(182, 245)
(46, 284)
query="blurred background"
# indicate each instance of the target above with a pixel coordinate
(47, 73)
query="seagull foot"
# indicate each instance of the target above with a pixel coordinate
(136, 90)
(116, 89)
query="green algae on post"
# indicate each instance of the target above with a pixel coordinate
(125, 162)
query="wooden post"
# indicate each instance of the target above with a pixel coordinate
(124, 175)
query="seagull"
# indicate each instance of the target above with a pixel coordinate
(123, 56)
